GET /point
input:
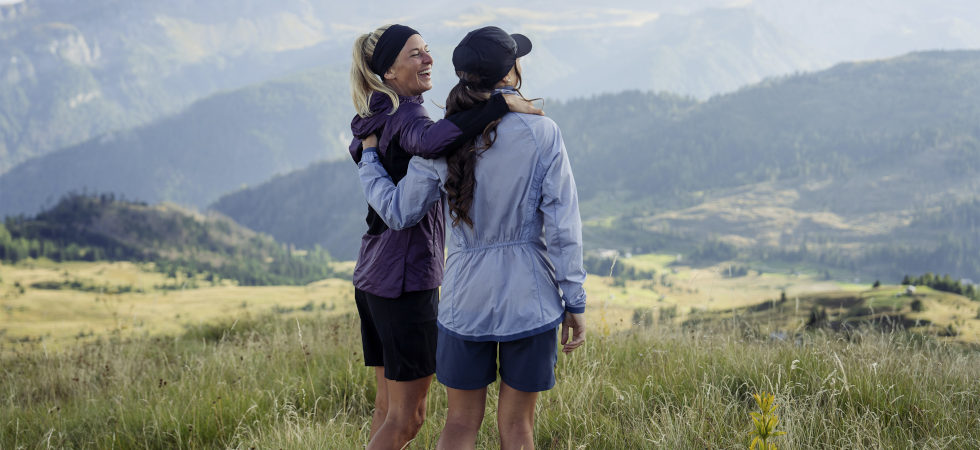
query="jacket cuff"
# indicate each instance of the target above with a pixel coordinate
(369, 154)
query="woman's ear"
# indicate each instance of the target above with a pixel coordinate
(390, 75)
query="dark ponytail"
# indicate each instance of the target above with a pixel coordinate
(461, 180)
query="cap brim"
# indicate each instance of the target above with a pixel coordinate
(523, 44)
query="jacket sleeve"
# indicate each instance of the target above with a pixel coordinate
(405, 204)
(562, 222)
(420, 136)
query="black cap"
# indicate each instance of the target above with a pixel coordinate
(490, 53)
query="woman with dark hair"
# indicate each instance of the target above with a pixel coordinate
(514, 266)
(398, 272)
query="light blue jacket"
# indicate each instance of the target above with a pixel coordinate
(520, 267)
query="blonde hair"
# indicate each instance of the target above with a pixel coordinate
(363, 81)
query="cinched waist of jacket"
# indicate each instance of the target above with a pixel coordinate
(459, 248)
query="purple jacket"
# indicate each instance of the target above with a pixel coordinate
(391, 262)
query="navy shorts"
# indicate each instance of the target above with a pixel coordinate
(526, 364)
(399, 333)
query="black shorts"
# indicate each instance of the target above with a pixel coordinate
(399, 333)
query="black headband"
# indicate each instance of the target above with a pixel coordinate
(389, 46)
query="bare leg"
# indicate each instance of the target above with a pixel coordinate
(380, 402)
(406, 412)
(515, 418)
(466, 409)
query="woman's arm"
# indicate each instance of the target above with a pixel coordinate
(405, 204)
(562, 223)
(420, 136)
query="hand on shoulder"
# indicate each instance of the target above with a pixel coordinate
(519, 104)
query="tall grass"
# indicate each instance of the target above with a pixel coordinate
(274, 382)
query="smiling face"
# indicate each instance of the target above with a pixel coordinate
(411, 74)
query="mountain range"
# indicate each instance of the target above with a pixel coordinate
(216, 145)
(71, 71)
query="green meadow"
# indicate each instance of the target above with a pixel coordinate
(160, 364)
(274, 381)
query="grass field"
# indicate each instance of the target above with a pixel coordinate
(157, 304)
(152, 304)
(116, 355)
(130, 358)
(297, 382)
(682, 292)
(121, 298)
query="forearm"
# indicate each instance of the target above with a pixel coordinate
(428, 139)
(402, 205)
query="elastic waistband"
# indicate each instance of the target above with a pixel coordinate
(498, 245)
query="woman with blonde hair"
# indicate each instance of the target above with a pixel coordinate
(398, 272)
(514, 269)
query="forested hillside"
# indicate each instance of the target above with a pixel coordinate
(840, 123)
(320, 205)
(97, 228)
(944, 239)
(216, 145)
